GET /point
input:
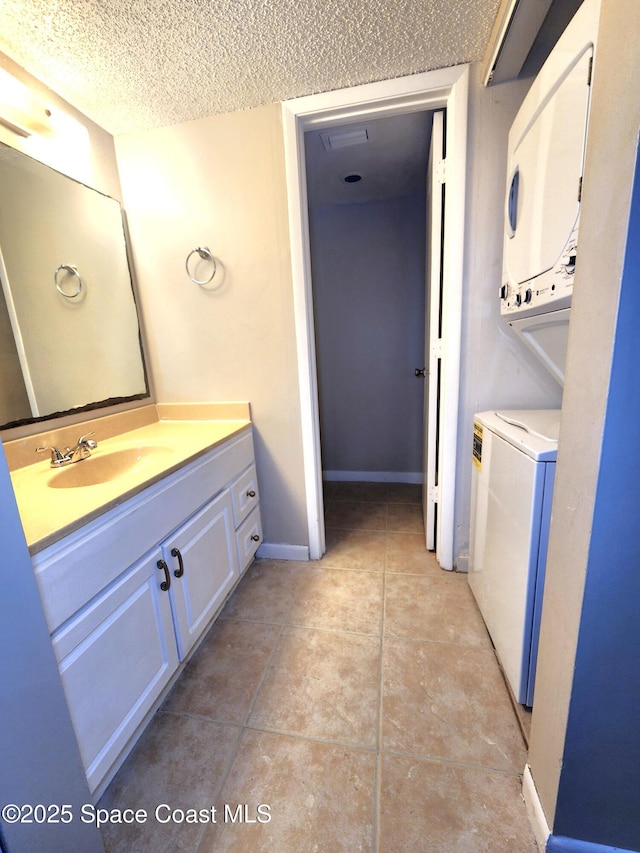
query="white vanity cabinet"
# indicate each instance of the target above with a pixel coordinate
(128, 595)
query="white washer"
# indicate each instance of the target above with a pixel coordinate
(514, 455)
(547, 144)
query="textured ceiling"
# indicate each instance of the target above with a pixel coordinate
(137, 64)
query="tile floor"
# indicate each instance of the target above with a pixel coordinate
(351, 704)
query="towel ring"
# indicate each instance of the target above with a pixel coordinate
(72, 270)
(206, 255)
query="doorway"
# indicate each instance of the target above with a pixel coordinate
(448, 89)
(366, 189)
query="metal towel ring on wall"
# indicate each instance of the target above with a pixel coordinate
(205, 255)
(73, 270)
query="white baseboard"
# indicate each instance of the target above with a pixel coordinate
(374, 476)
(282, 551)
(462, 563)
(534, 809)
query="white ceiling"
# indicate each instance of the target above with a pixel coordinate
(138, 64)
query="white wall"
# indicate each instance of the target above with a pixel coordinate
(220, 182)
(497, 371)
(368, 264)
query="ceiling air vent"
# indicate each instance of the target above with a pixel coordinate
(333, 139)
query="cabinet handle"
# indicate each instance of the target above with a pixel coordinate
(251, 493)
(255, 537)
(166, 583)
(175, 552)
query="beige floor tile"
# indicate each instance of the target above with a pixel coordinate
(437, 609)
(451, 702)
(405, 518)
(428, 807)
(356, 515)
(178, 761)
(324, 685)
(329, 489)
(355, 549)
(404, 493)
(361, 491)
(406, 553)
(337, 599)
(221, 679)
(265, 593)
(320, 798)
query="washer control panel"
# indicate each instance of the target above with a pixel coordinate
(551, 290)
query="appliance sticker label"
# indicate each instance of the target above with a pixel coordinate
(477, 445)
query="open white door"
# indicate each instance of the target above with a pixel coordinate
(433, 330)
(433, 90)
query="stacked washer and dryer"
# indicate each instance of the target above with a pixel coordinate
(514, 452)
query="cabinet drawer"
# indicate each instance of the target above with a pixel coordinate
(249, 537)
(115, 658)
(244, 493)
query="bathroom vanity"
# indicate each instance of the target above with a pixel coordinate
(135, 551)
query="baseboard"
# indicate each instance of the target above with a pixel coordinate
(534, 809)
(462, 563)
(561, 844)
(374, 476)
(282, 551)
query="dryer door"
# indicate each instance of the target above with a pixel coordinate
(545, 171)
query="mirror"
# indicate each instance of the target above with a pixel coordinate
(69, 331)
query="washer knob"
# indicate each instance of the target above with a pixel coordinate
(528, 295)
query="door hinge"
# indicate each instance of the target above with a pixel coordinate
(436, 348)
(440, 171)
(434, 494)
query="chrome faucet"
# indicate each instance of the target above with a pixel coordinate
(81, 451)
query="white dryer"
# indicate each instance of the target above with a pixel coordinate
(514, 456)
(547, 143)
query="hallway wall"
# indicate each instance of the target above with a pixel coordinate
(368, 263)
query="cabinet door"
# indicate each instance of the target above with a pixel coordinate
(115, 658)
(202, 559)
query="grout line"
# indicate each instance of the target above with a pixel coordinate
(377, 793)
(244, 726)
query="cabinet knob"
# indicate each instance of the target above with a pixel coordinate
(166, 583)
(251, 493)
(175, 552)
(255, 537)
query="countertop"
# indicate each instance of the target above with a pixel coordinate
(49, 510)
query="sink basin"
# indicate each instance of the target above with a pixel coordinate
(103, 467)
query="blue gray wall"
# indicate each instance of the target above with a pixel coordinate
(599, 792)
(368, 264)
(39, 757)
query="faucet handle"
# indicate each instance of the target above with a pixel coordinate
(57, 457)
(84, 439)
